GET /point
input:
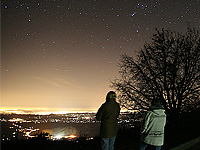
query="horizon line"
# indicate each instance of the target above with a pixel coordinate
(43, 110)
(47, 111)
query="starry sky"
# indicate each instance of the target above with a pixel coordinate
(64, 53)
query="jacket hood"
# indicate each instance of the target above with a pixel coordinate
(158, 110)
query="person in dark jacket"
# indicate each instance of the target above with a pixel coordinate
(152, 130)
(108, 114)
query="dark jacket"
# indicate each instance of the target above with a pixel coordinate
(108, 114)
(153, 126)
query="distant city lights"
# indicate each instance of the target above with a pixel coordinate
(25, 126)
(42, 111)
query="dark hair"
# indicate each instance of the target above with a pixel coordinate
(111, 95)
(156, 102)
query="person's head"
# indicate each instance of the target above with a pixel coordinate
(111, 95)
(156, 102)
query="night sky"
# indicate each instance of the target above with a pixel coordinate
(63, 53)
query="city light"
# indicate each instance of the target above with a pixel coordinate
(58, 137)
(42, 111)
(16, 120)
(70, 137)
(69, 126)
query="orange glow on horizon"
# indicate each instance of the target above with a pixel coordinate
(43, 111)
(47, 111)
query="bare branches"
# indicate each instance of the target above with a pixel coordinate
(167, 69)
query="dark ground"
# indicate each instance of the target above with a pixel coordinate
(185, 128)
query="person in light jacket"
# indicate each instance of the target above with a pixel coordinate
(153, 125)
(108, 114)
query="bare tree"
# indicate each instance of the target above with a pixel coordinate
(167, 69)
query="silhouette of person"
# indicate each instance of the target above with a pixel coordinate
(153, 125)
(108, 114)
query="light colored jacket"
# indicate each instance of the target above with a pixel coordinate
(153, 126)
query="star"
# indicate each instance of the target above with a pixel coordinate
(51, 37)
(133, 14)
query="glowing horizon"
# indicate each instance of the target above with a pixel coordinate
(43, 111)
(48, 111)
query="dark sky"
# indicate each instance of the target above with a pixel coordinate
(63, 53)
